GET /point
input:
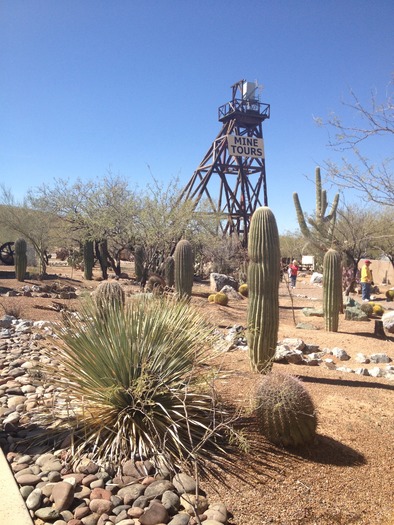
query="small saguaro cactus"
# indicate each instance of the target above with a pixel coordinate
(184, 268)
(88, 260)
(20, 248)
(332, 289)
(285, 411)
(169, 271)
(139, 260)
(263, 288)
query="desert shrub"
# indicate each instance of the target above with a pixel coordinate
(367, 308)
(243, 290)
(12, 308)
(221, 298)
(133, 384)
(285, 411)
(155, 284)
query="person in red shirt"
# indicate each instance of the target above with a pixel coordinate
(293, 271)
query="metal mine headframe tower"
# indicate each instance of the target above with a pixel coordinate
(231, 176)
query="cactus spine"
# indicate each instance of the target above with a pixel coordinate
(183, 268)
(169, 271)
(88, 260)
(285, 411)
(332, 289)
(263, 285)
(20, 259)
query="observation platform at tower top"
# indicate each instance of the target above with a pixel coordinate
(248, 111)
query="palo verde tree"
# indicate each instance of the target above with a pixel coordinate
(373, 122)
(37, 227)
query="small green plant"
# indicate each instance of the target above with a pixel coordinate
(285, 411)
(132, 386)
(221, 298)
(244, 290)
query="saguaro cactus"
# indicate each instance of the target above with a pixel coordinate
(139, 260)
(184, 268)
(263, 283)
(169, 271)
(332, 289)
(322, 226)
(88, 260)
(20, 259)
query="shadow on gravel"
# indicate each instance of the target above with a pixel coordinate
(345, 382)
(328, 451)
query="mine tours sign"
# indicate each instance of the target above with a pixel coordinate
(245, 146)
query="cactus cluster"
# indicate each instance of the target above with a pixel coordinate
(285, 411)
(20, 248)
(263, 279)
(332, 289)
(183, 269)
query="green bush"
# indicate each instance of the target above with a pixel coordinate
(133, 384)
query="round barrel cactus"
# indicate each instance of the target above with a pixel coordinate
(285, 411)
(109, 294)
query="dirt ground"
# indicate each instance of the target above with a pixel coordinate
(346, 476)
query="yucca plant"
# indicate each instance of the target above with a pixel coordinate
(132, 386)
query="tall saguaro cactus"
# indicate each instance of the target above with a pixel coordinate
(322, 226)
(183, 268)
(20, 259)
(263, 283)
(88, 260)
(332, 289)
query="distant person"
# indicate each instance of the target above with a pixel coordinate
(293, 271)
(366, 281)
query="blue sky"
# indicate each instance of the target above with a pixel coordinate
(134, 86)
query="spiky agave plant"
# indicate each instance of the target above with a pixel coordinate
(133, 384)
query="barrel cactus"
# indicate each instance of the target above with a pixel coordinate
(390, 295)
(211, 298)
(169, 271)
(285, 411)
(243, 290)
(20, 248)
(377, 309)
(332, 289)
(263, 286)
(88, 260)
(109, 294)
(221, 298)
(184, 268)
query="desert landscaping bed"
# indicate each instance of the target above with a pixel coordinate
(346, 475)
